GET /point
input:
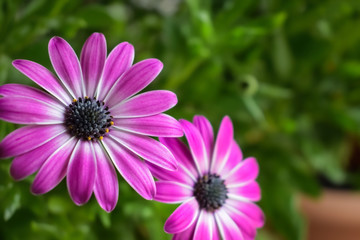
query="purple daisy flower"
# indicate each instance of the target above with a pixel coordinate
(88, 121)
(215, 186)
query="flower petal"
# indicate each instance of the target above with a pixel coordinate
(187, 234)
(206, 131)
(250, 191)
(66, 65)
(18, 90)
(23, 110)
(147, 148)
(234, 159)
(44, 78)
(172, 192)
(183, 217)
(145, 104)
(223, 144)
(119, 60)
(183, 156)
(160, 125)
(54, 169)
(227, 227)
(106, 188)
(28, 138)
(246, 171)
(197, 146)
(249, 209)
(92, 60)
(133, 170)
(133, 80)
(28, 163)
(205, 227)
(81, 173)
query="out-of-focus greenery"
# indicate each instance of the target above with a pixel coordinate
(286, 72)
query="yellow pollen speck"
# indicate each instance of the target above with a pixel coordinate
(74, 100)
(101, 138)
(89, 138)
(111, 123)
(107, 130)
(86, 97)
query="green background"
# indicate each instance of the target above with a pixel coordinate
(286, 72)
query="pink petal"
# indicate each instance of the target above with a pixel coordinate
(28, 163)
(147, 148)
(92, 60)
(172, 192)
(119, 60)
(227, 227)
(28, 138)
(133, 170)
(187, 234)
(223, 144)
(197, 146)
(54, 169)
(250, 191)
(160, 125)
(133, 80)
(145, 104)
(183, 156)
(23, 110)
(18, 90)
(232, 161)
(206, 131)
(245, 225)
(81, 173)
(44, 78)
(249, 209)
(246, 171)
(205, 227)
(106, 188)
(183, 217)
(66, 65)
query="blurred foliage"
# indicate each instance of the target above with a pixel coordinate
(286, 72)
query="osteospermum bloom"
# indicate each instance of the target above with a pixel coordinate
(88, 121)
(215, 185)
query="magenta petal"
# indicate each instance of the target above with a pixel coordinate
(160, 125)
(183, 217)
(228, 228)
(187, 234)
(92, 60)
(66, 65)
(81, 173)
(172, 192)
(54, 169)
(119, 60)
(246, 171)
(232, 161)
(23, 110)
(106, 188)
(28, 138)
(133, 170)
(206, 130)
(44, 78)
(250, 191)
(145, 104)
(250, 210)
(147, 148)
(223, 144)
(245, 225)
(133, 80)
(18, 90)
(205, 227)
(197, 146)
(28, 163)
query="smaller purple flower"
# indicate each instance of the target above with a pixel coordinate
(88, 122)
(215, 186)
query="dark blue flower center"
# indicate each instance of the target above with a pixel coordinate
(88, 119)
(210, 192)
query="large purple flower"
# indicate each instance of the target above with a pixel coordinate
(215, 186)
(88, 122)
